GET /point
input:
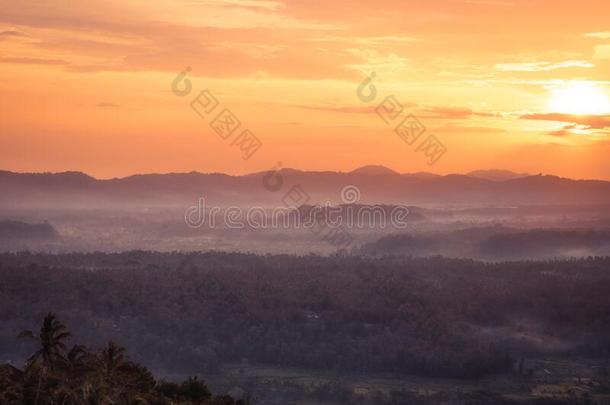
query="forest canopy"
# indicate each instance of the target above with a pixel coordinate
(425, 316)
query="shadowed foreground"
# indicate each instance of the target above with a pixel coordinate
(55, 375)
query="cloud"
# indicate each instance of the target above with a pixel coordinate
(460, 129)
(575, 130)
(33, 61)
(107, 105)
(589, 121)
(12, 33)
(375, 61)
(541, 66)
(601, 35)
(602, 52)
(490, 2)
(222, 38)
(566, 130)
(453, 113)
(247, 4)
(372, 40)
(348, 109)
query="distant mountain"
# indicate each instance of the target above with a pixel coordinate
(496, 175)
(374, 170)
(422, 175)
(17, 230)
(377, 185)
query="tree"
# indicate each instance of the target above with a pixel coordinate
(81, 377)
(112, 359)
(76, 359)
(194, 390)
(10, 389)
(51, 338)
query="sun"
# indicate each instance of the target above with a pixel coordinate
(579, 98)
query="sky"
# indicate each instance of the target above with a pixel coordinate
(506, 84)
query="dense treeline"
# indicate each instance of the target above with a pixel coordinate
(193, 312)
(17, 230)
(54, 374)
(494, 243)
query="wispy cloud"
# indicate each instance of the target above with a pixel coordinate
(491, 2)
(602, 52)
(373, 40)
(12, 33)
(542, 66)
(248, 4)
(567, 130)
(590, 121)
(462, 129)
(453, 113)
(33, 61)
(600, 35)
(347, 109)
(375, 61)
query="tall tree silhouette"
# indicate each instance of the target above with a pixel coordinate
(111, 360)
(51, 340)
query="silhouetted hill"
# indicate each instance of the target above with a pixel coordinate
(496, 175)
(377, 185)
(422, 175)
(374, 169)
(17, 230)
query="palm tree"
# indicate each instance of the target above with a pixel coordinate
(111, 363)
(76, 358)
(112, 359)
(10, 389)
(51, 339)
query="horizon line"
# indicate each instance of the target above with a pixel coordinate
(283, 169)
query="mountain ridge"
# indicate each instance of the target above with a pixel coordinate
(367, 169)
(377, 185)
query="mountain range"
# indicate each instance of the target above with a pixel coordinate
(376, 185)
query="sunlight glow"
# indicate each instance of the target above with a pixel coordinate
(579, 97)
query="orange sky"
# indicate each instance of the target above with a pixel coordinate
(514, 84)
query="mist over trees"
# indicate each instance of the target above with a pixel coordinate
(195, 312)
